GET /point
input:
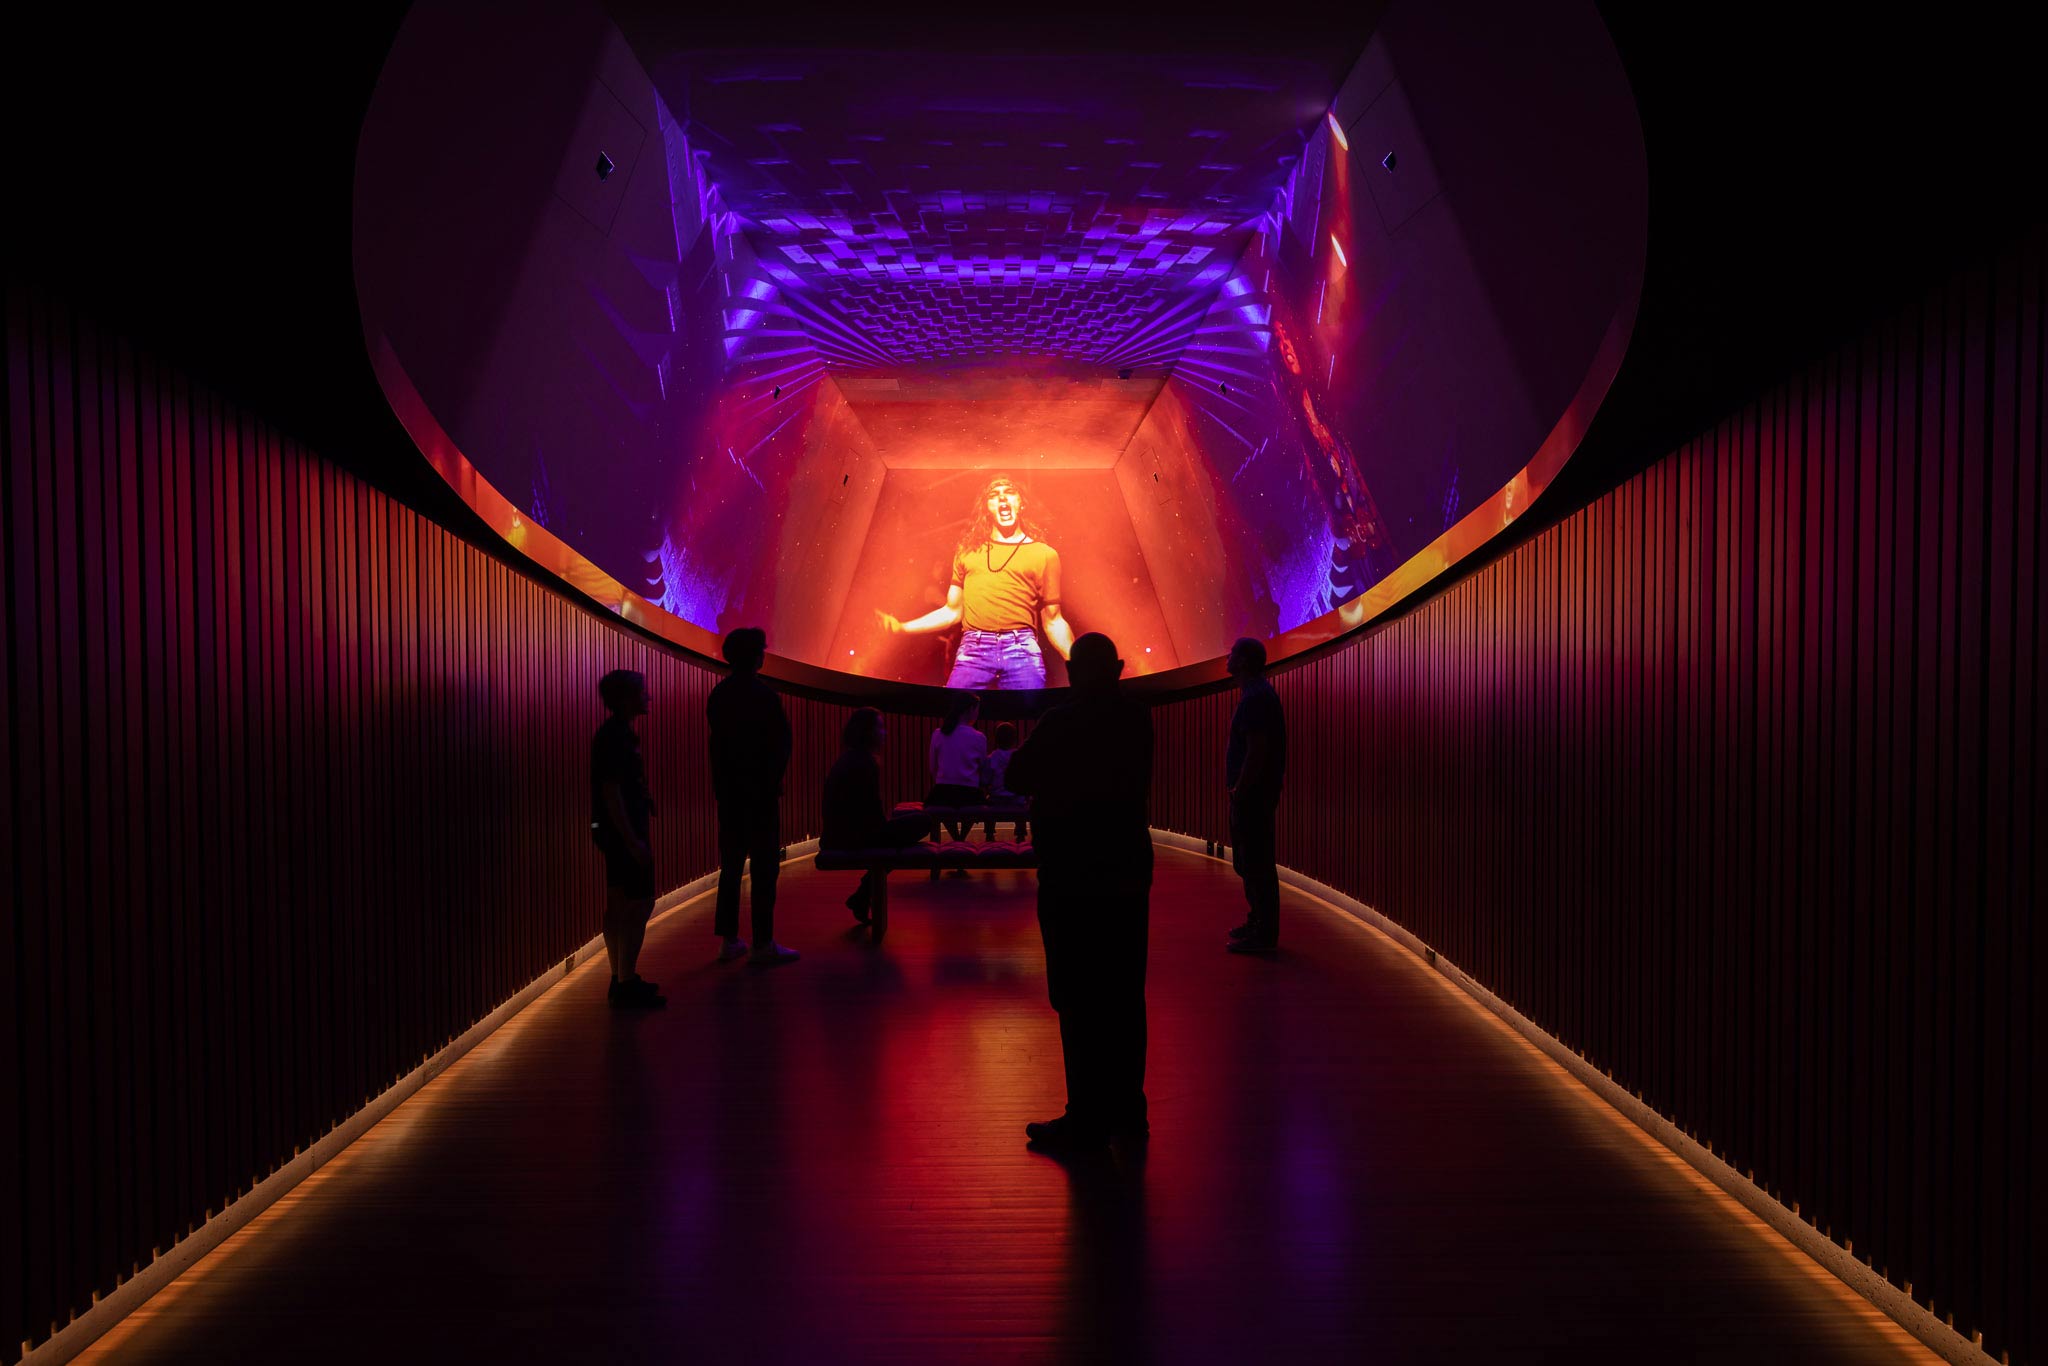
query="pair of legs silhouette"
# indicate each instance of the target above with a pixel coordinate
(750, 834)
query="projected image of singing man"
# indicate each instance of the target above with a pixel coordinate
(1006, 582)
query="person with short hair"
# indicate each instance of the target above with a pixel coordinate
(1254, 766)
(750, 746)
(854, 816)
(620, 806)
(1088, 771)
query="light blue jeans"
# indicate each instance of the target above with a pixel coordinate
(998, 659)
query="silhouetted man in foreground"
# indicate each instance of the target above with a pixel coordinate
(1088, 770)
(619, 809)
(1254, 766)
(750, 743)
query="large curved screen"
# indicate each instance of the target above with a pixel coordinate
(927, 366)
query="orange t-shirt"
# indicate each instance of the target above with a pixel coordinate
(1003, 587)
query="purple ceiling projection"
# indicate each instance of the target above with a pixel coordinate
(915, 211)
(1258, 338)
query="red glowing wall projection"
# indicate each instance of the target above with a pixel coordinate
(1265, 344)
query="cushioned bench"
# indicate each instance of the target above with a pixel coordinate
(932, 855)
(964, 815)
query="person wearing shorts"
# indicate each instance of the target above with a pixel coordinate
(620, 807)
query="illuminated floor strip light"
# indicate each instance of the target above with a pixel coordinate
(1905, 1324)
(98, 1334)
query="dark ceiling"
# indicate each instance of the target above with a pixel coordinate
(1325, 36)
(188, 175)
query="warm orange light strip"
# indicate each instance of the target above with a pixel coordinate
(1910, 1347)
(382, 1139)
(379, 1141)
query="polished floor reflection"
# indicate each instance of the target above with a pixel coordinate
(825, 1162)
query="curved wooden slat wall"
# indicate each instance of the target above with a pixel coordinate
(296, 790)
(1733, 782)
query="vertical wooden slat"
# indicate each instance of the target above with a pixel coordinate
(1731, 779)
(16, 562)
(1776, 702)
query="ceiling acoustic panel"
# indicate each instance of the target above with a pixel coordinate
(1258, 377)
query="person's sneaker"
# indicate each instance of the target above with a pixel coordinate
(616, 996)
(1064, 1135)
(734, 948)
(771, 954)
(1255, 943)
(1244, 931)
(858, 904)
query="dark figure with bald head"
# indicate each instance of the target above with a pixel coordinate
(750, 744)
(1254, 766)
(1088, 771)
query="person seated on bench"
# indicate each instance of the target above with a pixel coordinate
(956, 752)
(995, 770)
(854, 815)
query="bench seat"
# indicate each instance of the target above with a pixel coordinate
(952, 854)
(968, 815)
(930, 855)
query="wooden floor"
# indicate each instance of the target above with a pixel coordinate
(824, 1162)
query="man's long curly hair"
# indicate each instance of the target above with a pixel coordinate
(981, 528)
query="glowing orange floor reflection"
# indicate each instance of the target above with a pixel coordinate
(825, 1162)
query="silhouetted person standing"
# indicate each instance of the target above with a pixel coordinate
(750, 743)
(1254, 766)
(1088, 769)
(619, 811)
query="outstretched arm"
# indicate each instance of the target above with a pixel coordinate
(1057, 630)
(938, 619)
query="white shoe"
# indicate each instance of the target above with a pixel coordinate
(771, 953)
(734, 948)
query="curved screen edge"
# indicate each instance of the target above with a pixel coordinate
(543, 549)
(1468, 535)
